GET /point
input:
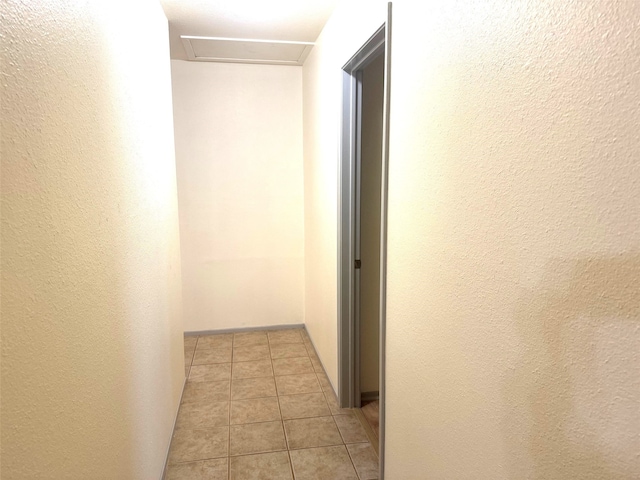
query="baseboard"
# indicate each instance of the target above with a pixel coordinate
(243, 329)
(173, 429)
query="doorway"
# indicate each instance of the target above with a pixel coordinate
(362, 226)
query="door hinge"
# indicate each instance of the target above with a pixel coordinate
(358, 264)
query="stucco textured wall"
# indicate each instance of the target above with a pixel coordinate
(238, 132)
(92, 361)
(322, 91)
(513, 346)
(514, 241)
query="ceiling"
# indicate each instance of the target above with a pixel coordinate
(278, 20)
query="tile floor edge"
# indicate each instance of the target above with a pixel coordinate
(264, 328)
(373, 440)
(324, 370)
(173, 429)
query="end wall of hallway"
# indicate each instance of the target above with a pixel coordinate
(238, 133)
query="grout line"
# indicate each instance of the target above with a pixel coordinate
(193, 355)
(353, 462)
(254, 423)
(284, 432)
(293, 473)
(338, 428)
(252, 398)
(344, 442)
(296, 374)
(323, 372)
(373, 440)
(277, 393)
(257, 453)
(311, 354)
(197, 460)
(333, 415)
(257, 423)
(261, 452)
(254, 360)
(230, 387)
(324, 394)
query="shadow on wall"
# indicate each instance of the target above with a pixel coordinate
(572, 402)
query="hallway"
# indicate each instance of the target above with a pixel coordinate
(258, 404)
(145, 195)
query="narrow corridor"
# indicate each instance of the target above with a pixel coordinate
(258, 405)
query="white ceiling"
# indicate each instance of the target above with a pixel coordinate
(289, 20)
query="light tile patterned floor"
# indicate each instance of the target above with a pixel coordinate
(371, 413)
(257, 405)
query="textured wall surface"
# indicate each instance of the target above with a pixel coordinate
(92, 361)
(322, 93)
(239, 164)
(514, 241)
(513, 346)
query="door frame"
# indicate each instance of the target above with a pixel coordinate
(349, 180)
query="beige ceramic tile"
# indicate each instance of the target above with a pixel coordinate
(315, 361)
(188, 356)
(285, 336)
(221, 341)
(322, 463)
(371, 412)
(351, 429)
(332, 401)
(365, 460)
(264, 466)
(190, 342)
(215, 372)
(248, 354)
(203, 392)
(296, 384)
(292, 366)
(257, 368)
(324, 383)
(213, 355)
(302, 406)
(215, 469)
(310, 351)
(256, 438)
(249, 339)
(252, 388)
(311, 432)
(199, 444)
(288, 350)
(309, 345)
(203, 415)
(255, 410)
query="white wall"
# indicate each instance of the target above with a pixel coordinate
(514, 247)
(92, 361)
(238, 135)
(322, 80)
